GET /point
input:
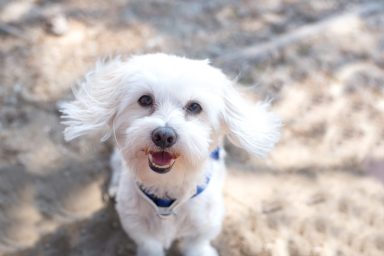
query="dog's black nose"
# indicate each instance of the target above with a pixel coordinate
(164, 137)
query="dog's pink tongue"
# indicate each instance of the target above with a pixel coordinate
(161, 158)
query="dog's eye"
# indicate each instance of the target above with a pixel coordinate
(194, 108)
(145, 101)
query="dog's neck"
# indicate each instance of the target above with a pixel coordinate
(166, 205)
(169, 186)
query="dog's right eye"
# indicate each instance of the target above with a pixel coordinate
(145, 101)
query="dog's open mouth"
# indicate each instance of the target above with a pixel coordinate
(161, 161)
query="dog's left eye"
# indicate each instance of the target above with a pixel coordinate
(193, 108)
(145, 101)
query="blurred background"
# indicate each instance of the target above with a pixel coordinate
(320, 192)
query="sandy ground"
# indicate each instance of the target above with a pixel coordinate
(321, 190)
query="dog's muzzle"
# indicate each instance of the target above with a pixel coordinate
(162, 161)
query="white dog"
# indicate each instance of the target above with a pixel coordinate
(168, 116)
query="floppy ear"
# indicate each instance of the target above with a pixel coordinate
(96, 101)
(249, 125)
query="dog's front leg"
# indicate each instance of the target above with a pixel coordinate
(197, 246)
(149, 247)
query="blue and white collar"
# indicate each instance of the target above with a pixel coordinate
(165, 206)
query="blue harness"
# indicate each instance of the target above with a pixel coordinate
(167, 202)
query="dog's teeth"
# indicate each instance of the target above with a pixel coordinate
(160, 166)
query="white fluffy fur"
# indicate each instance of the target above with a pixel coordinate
(107, 101)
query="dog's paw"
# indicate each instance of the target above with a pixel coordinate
(201, 250)
(209, 251)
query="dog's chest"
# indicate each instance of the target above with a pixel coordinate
(196, 215)
(174, 227)
(144, 219)
(137, 215)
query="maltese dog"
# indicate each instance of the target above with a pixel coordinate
(168, 116)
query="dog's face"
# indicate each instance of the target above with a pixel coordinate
(167, 113)
(169, 119)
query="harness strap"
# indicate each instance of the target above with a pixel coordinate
(166, 206)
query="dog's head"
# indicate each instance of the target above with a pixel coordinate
(167, 113)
